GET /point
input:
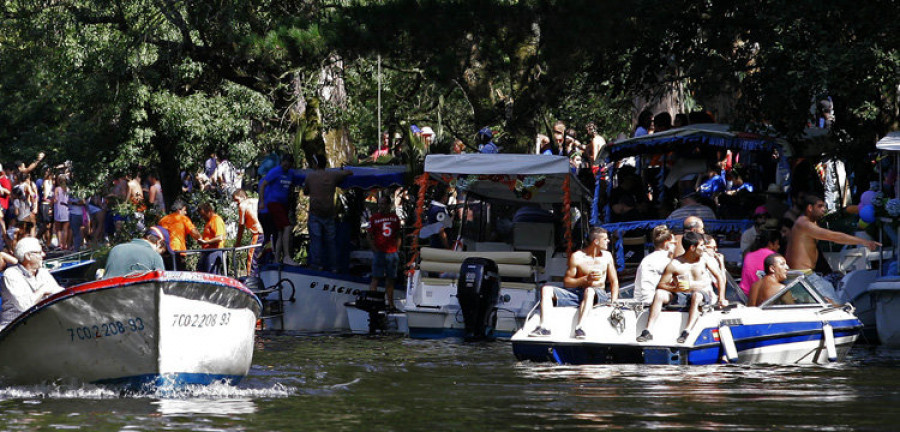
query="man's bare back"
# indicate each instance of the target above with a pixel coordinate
(135, 193)
(764, 289)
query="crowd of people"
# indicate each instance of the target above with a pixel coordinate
(47, 209)
(686, 269)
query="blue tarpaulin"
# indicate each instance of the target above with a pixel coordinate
(369, 177)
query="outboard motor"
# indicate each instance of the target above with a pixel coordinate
(478, 290)
(373, 303)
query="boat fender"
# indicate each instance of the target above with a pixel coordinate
(830, 347)
(727, 341)
(555, 356)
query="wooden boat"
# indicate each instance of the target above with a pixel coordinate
(143, 331)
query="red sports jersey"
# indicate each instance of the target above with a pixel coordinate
(385, 230)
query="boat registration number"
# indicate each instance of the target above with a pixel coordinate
(112, 328)
(201, 320)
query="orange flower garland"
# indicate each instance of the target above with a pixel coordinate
(423, 182)
(567, 216)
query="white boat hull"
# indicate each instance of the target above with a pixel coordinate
(887, 311)
(786, 336)
(433, 311)
(157, 329)
(320, 299)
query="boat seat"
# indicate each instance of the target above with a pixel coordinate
(521, 265)
(505, 270)
(446, 255)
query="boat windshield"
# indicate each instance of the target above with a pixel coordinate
(797, 293)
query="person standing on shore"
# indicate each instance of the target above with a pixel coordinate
(274, 195)
(179, 227)
(213, 237)
(249, 220)
(61, 212)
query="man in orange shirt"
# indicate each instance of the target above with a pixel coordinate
(179, 226)
(249, 220)
(213, 238)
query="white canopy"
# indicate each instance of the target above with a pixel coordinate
(514, 177)
(891, 142)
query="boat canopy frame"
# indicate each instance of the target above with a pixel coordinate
(711, 136)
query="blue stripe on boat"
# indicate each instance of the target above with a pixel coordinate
(170, 380)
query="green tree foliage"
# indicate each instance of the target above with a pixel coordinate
(115, 84)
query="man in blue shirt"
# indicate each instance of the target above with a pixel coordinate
(715, 184)
(485, 143)
(274, 194)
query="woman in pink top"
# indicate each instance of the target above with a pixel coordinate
(767, 242)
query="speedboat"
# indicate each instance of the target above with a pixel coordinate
(155, 329)
(796, 326)
(71, 268)
(875, 290)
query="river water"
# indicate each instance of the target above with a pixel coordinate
(366, 383)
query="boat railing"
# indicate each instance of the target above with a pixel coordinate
(233, 258)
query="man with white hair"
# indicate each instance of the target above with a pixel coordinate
(27, 283)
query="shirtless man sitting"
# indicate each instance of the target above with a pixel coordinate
(589, 271)
(769, 285)
(802, 253)
(687, 277)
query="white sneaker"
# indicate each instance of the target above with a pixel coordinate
(290, 262)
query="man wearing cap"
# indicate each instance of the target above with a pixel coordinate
(427, 137)
(140, 255)
(485, 143)
(27, 283)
